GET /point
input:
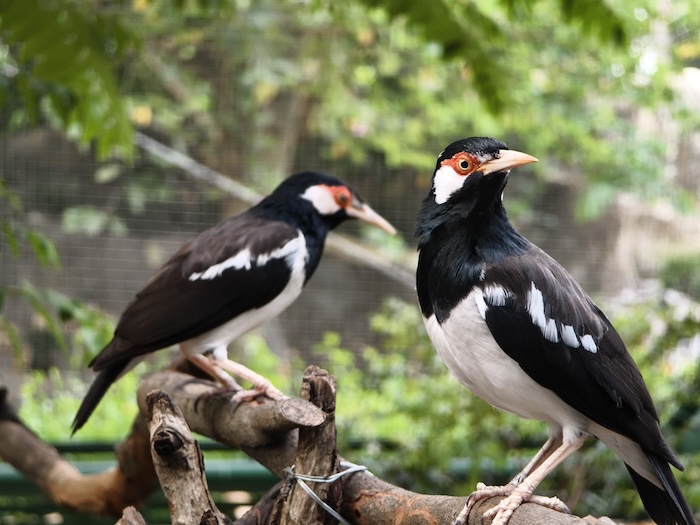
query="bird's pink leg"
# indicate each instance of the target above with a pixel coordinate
(218, 368)
(261, 385)
(502, 512)
(552, 443)
(551, 447)
(210, 367)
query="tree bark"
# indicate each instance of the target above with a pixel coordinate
(179, 464)
(131, 516)
(366, 500)
(266, 431)
(316, 455)
(129, 483)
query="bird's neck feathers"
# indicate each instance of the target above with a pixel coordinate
(456, 245)
(298, 212)
(303, 216)
(473, 216)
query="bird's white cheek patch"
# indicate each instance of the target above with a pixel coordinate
(445, 183)
(322, 199)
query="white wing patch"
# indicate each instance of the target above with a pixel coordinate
(535, 307)
(589, 344)
(496, 295)
(550, 331)
(445, 183)
(220, 337)
(491, 295)
(244, 260)
(239, 261)
(568, 335)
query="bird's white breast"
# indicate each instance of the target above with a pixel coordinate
(295, 254)
(465, 343)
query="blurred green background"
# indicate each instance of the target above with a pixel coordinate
(606, 94)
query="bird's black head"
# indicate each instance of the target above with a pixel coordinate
(469, 179)
(323, 197)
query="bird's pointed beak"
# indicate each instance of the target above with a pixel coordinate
(507, 160)
(361, 211)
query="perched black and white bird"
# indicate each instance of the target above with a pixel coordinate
(517, 330)
(228, 280)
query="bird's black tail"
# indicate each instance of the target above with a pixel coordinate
(97, 391)
(665, 506)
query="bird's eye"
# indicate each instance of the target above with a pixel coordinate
(463, 165)
(342, 197)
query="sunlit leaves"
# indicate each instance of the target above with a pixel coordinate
(91, 221)
(66, 54)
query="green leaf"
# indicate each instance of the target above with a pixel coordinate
(71, 46)
(87, 220)
(10, 197)
(41, 306)
(44, 249)
(107, 173)
(12, 334)
(10, 232)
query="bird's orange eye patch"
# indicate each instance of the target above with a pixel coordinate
(463, 163)
(341, 195)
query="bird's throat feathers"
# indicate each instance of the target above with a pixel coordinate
(454, 253)
(475, 203)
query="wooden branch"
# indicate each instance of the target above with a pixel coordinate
(131, 516)
(264, 430)
(130, 483)
(366, 499)
(316, 455)
(179, 464)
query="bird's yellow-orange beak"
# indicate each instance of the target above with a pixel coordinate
(363, 212)
(507, 160)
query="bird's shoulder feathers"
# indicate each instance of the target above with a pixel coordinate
(240, 264)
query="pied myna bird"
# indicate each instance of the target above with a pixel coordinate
(228, 280)
(517, 330)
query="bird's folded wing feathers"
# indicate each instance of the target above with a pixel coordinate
(563, 341)
(233, 267)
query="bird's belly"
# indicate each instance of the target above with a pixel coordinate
(218, 339)
(465, 343)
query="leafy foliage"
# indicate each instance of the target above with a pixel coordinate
(62, 65)
(683, 273)
(51, 398)
(380, 79)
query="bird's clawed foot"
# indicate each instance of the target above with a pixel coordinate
(482, 492)
(262, 388)
(515, 495)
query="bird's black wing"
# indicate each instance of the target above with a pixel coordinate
(182, 300)
(562, 340)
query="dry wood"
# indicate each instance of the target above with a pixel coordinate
(261, 429)
(366, 500)
(316, 455)
(179, 464)
(131, 516)
(129, 483)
